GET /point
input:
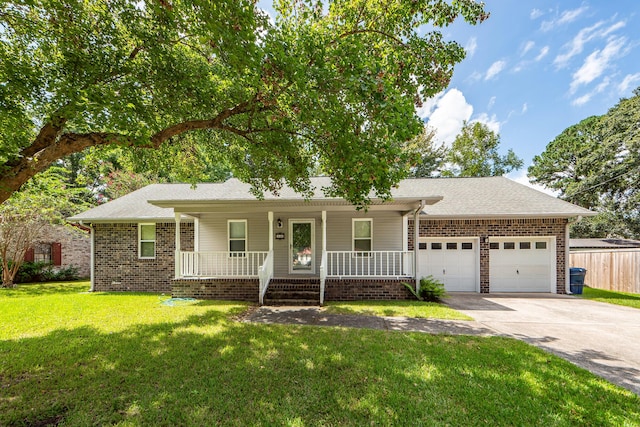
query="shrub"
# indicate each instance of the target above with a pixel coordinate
(41, 271)
(431, 289)
(31, 272)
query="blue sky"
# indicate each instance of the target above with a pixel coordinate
(535, 68)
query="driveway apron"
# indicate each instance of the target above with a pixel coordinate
(602, 338)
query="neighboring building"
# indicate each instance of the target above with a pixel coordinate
(63, 246)
(219, 241)
(608, 244)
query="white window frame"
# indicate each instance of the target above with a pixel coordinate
(154, 241)
(246, 238)
(353, 237)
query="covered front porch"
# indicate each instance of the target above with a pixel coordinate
(338, 246)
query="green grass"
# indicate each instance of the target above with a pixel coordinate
(612, 297)
(75, 359)
(428, 310)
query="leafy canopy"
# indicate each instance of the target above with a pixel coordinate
(331, 85)
(596, 164)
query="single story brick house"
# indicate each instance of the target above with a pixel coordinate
(220, 241)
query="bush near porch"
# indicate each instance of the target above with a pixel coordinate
(75, 358)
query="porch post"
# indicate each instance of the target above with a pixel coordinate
(177, 259)
(324, 231)
(270, 216)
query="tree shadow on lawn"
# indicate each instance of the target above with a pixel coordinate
(211, 370)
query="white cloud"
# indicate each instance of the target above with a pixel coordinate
(543, 52)
(495, 69)
(491, 103)
(450, 110)
(585, 35)
(471, 47)
(629, 81)
(474, 77)
(579, 102)
(565, 17)
(527, 47)
(525, 108)
(536, 13)
(491, 122)
(597, 62)
(521, 178)
(429, 105)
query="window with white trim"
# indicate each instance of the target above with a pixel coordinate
(146, 241)
(362, 241)
(237, 233)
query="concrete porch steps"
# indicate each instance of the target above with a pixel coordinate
(285, 291)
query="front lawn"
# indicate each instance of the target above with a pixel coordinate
(428, 310)
(612, 297)
(77, 359)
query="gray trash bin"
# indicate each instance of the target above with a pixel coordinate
(576, 279)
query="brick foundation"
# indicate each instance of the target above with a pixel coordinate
(366, 289)
(222, 289)
(499, 228)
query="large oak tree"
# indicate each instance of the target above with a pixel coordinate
(326, 84)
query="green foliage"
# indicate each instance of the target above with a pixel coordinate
(412, 290)
(430, 157)
(325, 87)
(596, 164)
(474, 152)
(40, 271)
(431, 289)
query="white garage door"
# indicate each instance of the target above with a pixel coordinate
(453, 261)
(519, 264)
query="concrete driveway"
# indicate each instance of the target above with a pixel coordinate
(603, 338)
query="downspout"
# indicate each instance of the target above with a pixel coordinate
(416, 238)
(92, 262)
(567, 271)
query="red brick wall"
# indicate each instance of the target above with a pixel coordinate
(117, 266)
(224, 289)
(499, 227)
(366, 289)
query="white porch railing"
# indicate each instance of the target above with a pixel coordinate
(323, 275)
(370, 264)
(221, 264)
(265, 273)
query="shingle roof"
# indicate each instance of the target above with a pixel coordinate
(461, 198)
(611, 243)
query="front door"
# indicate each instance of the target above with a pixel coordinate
(302, 246)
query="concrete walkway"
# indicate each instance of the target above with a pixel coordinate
(602, 338)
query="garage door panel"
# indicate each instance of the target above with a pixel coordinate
(452, 261)
(521, 264)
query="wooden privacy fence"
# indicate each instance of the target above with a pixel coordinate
(611, 270)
